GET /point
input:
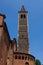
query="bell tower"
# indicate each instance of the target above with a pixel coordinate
(23, 43)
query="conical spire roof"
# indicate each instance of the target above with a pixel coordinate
(22, 9)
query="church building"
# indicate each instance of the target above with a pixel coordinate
(11, 52)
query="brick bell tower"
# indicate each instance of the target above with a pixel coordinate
(23, 42)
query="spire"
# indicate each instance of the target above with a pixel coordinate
(22, 9)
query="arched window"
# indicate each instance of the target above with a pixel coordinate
(15, 56)
(22, 57)
(19, 57)
(24, 16)
(21, 16)
(26, 58)
(26, 63)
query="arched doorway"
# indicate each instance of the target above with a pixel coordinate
(26, 63)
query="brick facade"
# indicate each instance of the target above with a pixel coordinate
(23, 43)
(22, 58)
(10, 52)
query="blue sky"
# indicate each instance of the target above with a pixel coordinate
(35, 22)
